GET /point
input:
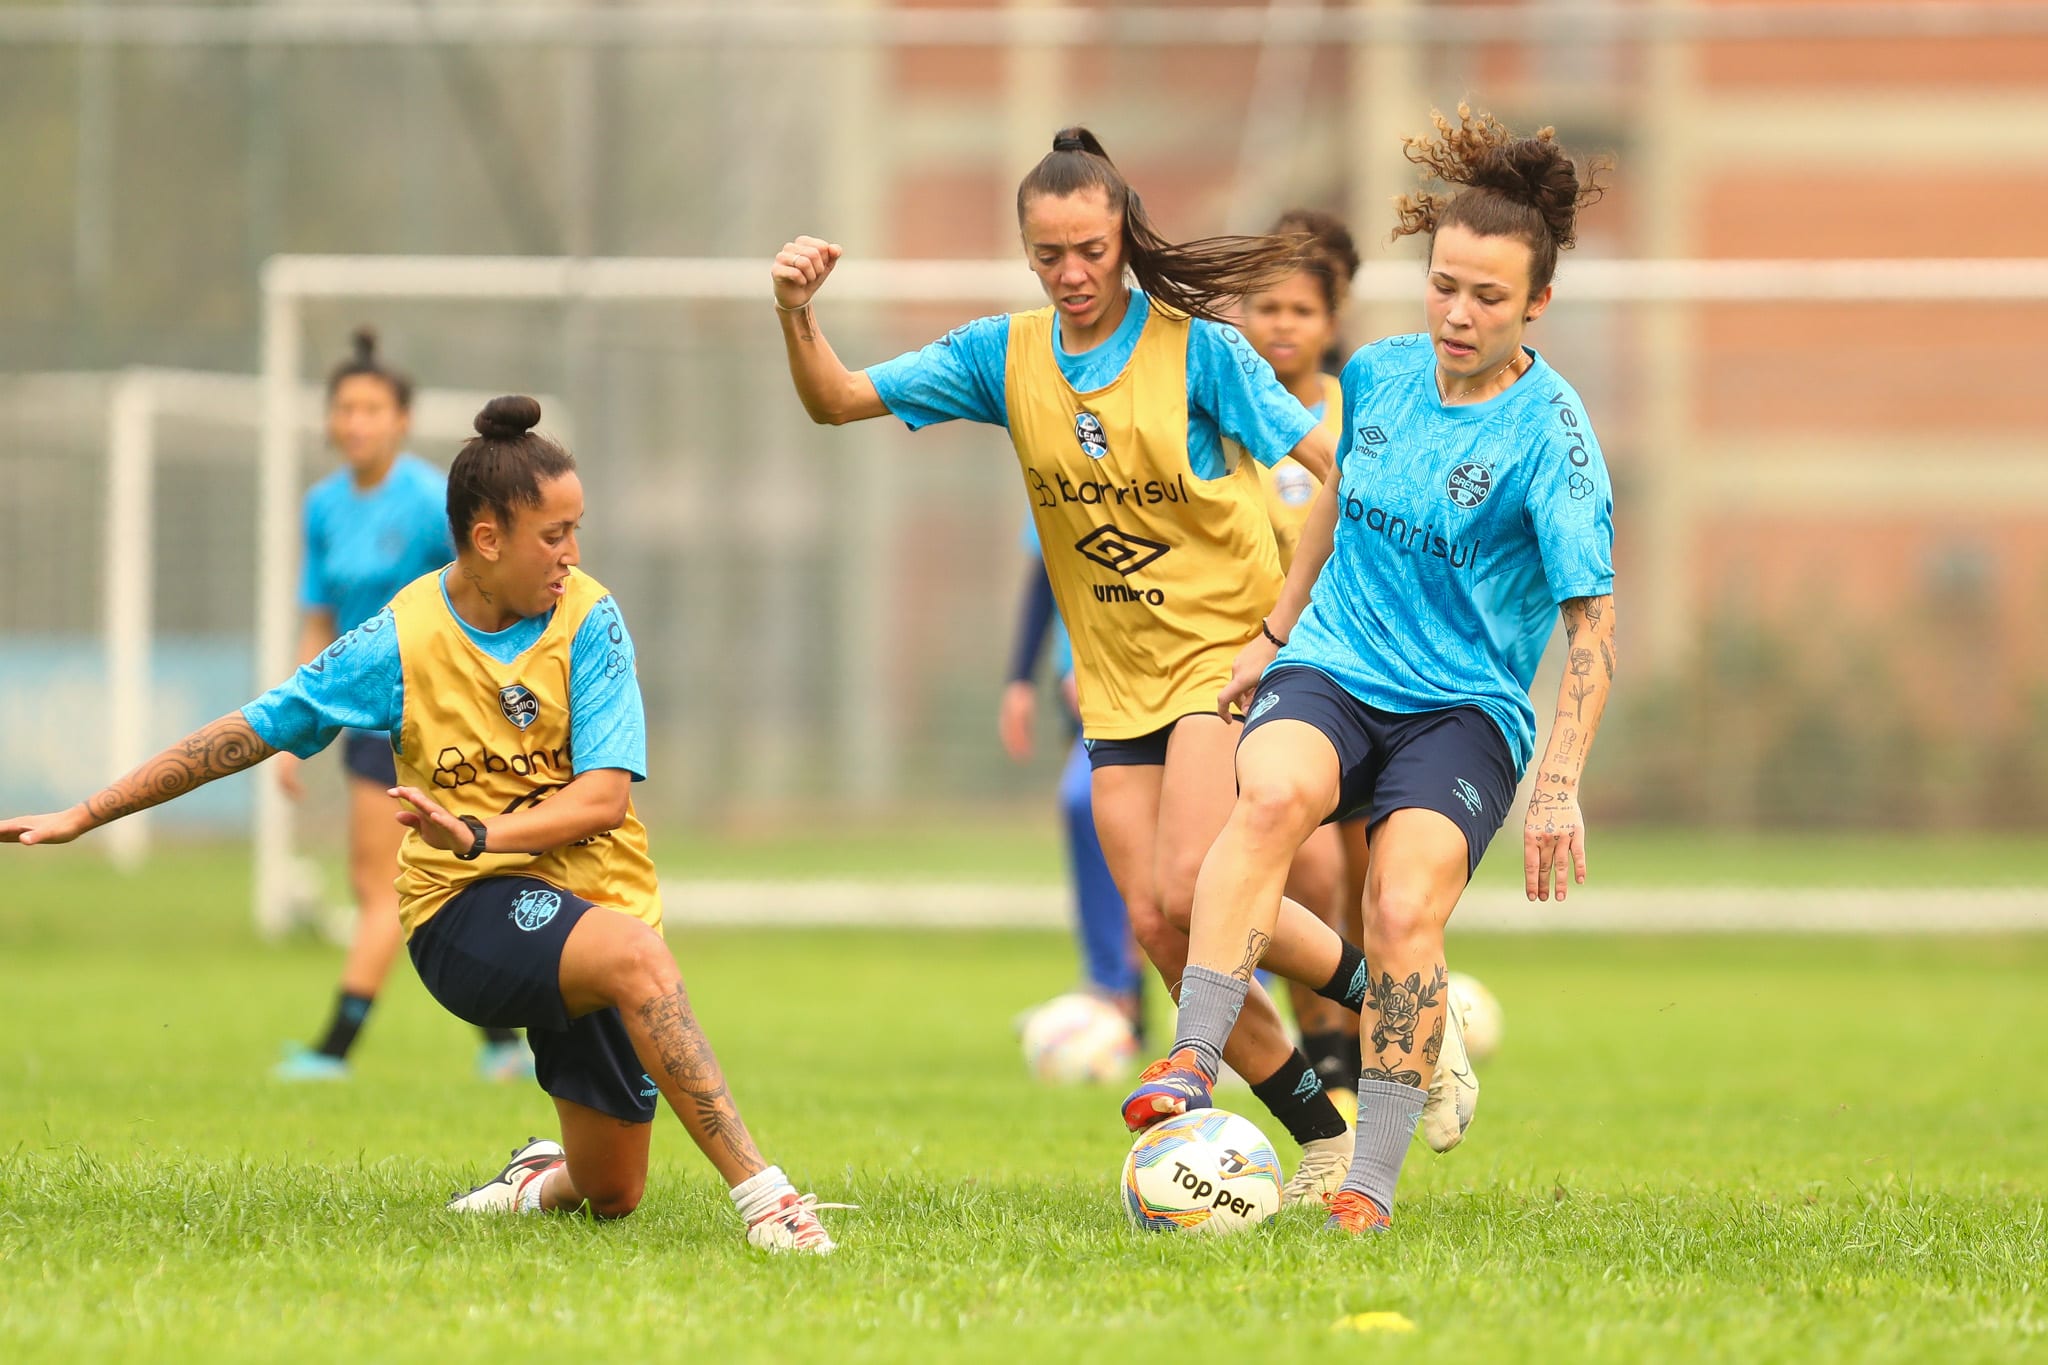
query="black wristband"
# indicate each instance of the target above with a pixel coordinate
(476, 849)
(1267, 631)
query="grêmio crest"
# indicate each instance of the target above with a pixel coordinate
(1088, 431)
(520, 706)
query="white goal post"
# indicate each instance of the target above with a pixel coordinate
(290, 282)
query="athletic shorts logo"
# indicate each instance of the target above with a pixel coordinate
(533, 909)
(520, 706)
(1469, 484)
(1114, 549)
(1469, 794)
(1088, 431)
(1262, 706)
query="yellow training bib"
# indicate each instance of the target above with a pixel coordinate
(1161, 577)
(486, 738)
(1290, 489)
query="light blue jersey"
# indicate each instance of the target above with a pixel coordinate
(363, 545)
(356, 684)
(1460, 529)
(1232, 391)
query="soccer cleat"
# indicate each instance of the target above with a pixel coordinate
(1324, 1164)
(1355, 1213)
(1453, 1091)
(1166, 1088)
(505, 1062)
(500, 1194)
(303, 1064)
(791, 1223)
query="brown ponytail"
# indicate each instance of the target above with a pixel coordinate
(1521, 187)
(1200, 278)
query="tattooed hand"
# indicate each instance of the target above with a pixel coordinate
(213, 751)
(1553, 842)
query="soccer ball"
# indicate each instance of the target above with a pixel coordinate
(1203, 1171)
(1077, 1038)
(1479, 1012)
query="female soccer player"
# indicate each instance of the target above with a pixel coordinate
(370, 529)
(505, 682)
(1393, 675)
(1118, 401)
(1293, 324)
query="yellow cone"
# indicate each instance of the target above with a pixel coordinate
(1373, 1322)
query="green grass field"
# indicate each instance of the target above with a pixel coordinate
(1690, 1148)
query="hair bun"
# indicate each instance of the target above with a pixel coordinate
(508, 418)
(1077, 139)
(363, 341)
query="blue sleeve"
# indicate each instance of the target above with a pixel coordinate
(1355, 382)
(1570, 509)
(607, 721)
(353, 684)
(1035, 618)
(315, 593)
(959, 376)
(1232, 385)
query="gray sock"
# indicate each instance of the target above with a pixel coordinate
(1387, 1111)
(1209, 1006)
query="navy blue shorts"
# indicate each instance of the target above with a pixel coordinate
(368, 755)
(1453, 762)
(493, 957)
(1140, 751)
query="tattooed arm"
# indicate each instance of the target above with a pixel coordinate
(831, 393)
(226, 746)
(1554, 839)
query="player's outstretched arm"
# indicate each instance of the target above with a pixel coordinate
(831, 393)
(1317, 453)
(593, 804)
(1554, 838)
(226, 746)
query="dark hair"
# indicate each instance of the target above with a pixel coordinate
(503, 465)
(1200, 278)
(1521, 187)
(363, 360)
(1323, 249)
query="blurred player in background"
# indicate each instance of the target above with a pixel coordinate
(1472, 511)
(1293, 324)
(1118, 401)
(505, 684)
(371, 527)
(1109, 955)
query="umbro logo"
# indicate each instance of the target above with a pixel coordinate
(1119, 550)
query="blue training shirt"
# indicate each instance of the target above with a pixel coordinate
(361, 687)
(1231, 389)
(363, 545)
(1062, 643)
(1460, 529)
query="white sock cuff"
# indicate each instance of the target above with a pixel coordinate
(529, 1193)
(759, 1190)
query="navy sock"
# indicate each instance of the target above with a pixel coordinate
(1295, 1096)
(349, 1013)
(1347, 984)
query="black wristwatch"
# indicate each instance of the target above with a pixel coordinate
(476, 849)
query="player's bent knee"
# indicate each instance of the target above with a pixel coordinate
(1399, 918)
(615, 1199)
(641, 968)
(1275, 814)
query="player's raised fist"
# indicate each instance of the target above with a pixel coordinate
(800, 267)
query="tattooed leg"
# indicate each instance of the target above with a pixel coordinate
(688, 1076)
(613, 959)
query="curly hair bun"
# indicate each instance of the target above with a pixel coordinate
(508, 418)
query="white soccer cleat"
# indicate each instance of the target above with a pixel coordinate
(790, 1223)
(1453, 1091)
(1324, 1164)
(500, 1194)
